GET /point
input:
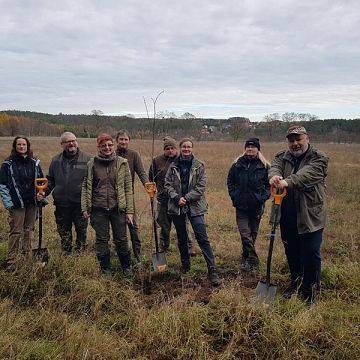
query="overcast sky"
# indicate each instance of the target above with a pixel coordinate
(212, 58)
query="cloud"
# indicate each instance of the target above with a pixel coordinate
(212, 59)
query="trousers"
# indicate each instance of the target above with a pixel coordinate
(199, 228)
(303, 256)
(65, 218)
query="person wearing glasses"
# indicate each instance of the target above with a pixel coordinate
(66, 173)
(107, 199)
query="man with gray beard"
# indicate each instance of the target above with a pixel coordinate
(302, 170)
(66, 173)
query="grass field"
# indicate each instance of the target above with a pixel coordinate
(67, 311)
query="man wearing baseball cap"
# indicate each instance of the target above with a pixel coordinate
(302, 170)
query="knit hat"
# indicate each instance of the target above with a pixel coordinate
(254, 142)
(103, 137)
(169, 141)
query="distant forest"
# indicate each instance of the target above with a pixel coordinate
(272, 128)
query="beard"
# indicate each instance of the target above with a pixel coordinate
(299, 151)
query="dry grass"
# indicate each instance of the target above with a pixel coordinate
(67, 311)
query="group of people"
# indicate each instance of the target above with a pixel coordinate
(101, 189)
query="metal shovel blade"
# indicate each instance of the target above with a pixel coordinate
(159, 262)
(41, 255)
(265, 293)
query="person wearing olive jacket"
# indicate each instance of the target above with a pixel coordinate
(301, 169)
(107, 198)
(185, 183)
(249, 188)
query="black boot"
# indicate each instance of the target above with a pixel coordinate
(125, 262)
(104, 261)
(214, 278)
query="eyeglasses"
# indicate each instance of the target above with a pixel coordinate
(69, 141)
(104, 146)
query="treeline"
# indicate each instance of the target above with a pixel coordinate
(273, 128)
(328, 130)
(12, 125)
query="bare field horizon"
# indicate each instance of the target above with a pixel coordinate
(67, 311)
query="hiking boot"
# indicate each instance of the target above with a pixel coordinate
(192, 251)
(214, 278)
(106, 272)
(249, 265)
(185, 269)
(246, 266)
(289, 293)
(128, 272)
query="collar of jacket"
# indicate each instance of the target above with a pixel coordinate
(64, 155)
(196, 163)
(107, 159)
(243, 163)
(121, 152)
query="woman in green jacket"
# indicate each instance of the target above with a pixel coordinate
(107, 199)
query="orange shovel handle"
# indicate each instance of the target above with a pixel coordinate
(40, 185)
(150, 188)
(276, 195)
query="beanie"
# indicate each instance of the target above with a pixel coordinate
(103, 137)
(254, 142)
(168, 141)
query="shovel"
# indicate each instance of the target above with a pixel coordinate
(41, 254)
(265, 290)
(158, 259)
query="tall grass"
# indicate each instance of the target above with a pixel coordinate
(66, 310)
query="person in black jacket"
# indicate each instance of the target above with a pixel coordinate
(66, 173)
(249, 188)
(17, 189)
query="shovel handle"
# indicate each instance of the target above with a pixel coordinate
(276, 195)
(40, 185)
(150, 188)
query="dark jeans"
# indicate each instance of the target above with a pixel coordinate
(248, 225)
(65, 218)
(164, 220)
(303, 256)
(100, 220)
(199, 228)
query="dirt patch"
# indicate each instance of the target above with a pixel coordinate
(160, 288)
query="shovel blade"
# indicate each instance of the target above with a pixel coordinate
(159, 262)
(41, 255)
(265, 293)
